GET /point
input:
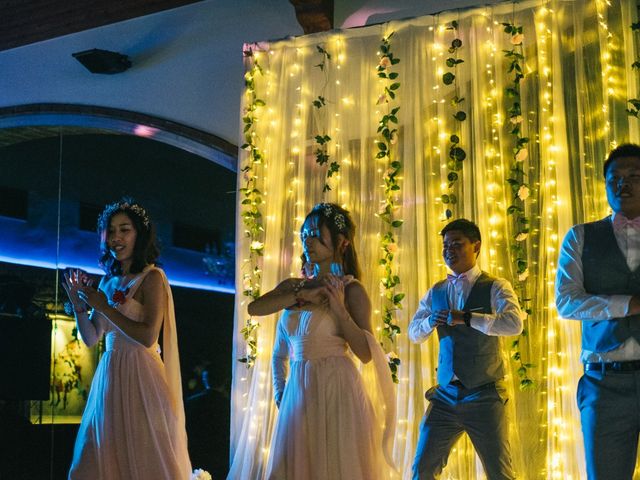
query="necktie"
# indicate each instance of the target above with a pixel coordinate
(620, 222)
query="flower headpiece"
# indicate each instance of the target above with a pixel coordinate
(330, 212)
(123, 206)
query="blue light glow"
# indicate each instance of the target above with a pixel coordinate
(21, 244)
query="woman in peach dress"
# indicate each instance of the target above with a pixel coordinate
(133, 424)
(329, 425)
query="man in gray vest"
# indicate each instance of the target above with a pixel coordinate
(598, 283)
(470, 311)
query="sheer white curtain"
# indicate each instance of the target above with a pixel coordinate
(578, 77)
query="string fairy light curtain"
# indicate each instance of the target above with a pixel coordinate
(501, 114)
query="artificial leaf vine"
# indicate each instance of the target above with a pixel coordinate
(322, 139)
(250, 204)
(457, 154)
(634, 109)
(519, 188)
(387, 138)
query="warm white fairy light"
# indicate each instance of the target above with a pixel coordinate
(548, 147)
(559, 438)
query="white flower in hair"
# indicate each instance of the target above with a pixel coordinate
(116, 207)
(336, 217)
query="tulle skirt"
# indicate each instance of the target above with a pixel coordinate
(325, 428)
(129, 429)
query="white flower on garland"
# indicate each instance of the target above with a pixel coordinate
(394, 138)
(517, 39)
(200, 474)
(522, 155)
(256, 246)
(524, 275)
(391, 356)
(385, 62)
(516, 119)
(382, 99)
(523, 192)
(522, 236)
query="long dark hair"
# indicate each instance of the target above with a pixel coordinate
(338, 221)
(146, 249)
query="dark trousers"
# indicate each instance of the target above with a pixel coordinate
(609, 411)
(454, 410)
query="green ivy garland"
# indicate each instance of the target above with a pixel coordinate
(519, 188)
(457, 154)
(387, 138)
(322, 139)
(251, 202)
(634, 110)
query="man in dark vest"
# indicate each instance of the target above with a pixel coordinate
(598, 282)
(470, 311)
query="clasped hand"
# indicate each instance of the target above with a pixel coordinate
(328, 291)
(446, 317)
(79, 288)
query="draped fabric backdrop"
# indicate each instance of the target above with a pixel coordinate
(578, 77)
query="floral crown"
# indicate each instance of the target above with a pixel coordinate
(123, 206)
(330, 212)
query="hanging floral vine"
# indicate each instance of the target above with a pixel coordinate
(456, 152)
(387, 138)
(250, 204)
(322, 139)
(519, 188)
(634, 110)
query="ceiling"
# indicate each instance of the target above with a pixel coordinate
(23, 22)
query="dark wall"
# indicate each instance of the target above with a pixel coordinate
(205, 327)
(174, 185)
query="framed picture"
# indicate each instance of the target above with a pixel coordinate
(72, 367)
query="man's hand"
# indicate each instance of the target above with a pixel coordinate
(455, 317)
(446, 317)
(439, 318)
(634, 306)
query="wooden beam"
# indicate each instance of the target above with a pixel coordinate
(314, 15)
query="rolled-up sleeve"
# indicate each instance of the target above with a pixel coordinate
(507, 318)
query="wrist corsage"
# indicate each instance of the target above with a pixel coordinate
(119, 297)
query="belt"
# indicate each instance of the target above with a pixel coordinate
(630, 366)
(458, 383)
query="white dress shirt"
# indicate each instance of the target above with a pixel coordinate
(505, 321)
(572, 301)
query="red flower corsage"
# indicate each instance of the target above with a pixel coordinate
(119, 296)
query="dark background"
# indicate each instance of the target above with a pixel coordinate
(192, 201)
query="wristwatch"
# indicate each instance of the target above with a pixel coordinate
(466, 316)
